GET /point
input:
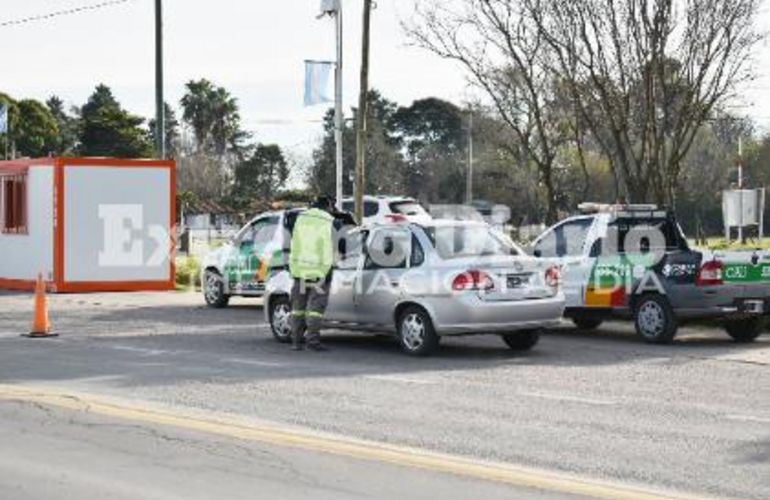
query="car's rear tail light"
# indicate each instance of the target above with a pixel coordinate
(710, 273)
(553, 277)
(473, 280)
(396, 218)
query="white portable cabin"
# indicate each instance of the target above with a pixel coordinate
(87, 224)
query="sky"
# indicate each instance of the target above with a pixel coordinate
(254, 48)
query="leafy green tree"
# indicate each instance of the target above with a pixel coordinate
(385, 167)
(37, 132)
(321, 173)
(109, 130)
(430, 121)
(171, 135)
(68, 126)
(213, 115)
(433, 133)
(261, 176)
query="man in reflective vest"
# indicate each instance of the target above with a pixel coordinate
(310, 264)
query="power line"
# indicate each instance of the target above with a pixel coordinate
(59, 13)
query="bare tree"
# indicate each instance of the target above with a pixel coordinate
(646, 75)
(501, 47)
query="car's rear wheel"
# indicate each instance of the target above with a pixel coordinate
(416, 334)
(280, 319)
(654, 319)
(587, 323)
(522, 341)
(214, 289)
(745, 330)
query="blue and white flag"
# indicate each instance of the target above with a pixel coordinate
(3, 118)
(317, 82)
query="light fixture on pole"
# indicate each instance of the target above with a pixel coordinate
(334, 8)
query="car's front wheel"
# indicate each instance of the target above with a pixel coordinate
(654, 319)
(280, 319)
(745, 330)
(416, 335)
(522, 341)
(214, 289)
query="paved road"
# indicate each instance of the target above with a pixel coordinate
(72, 455)
(693, 417)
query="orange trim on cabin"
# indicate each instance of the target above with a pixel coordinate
(21, 164)
(19, 285)
(116, 286)
(58, 225)
(172, 224)
(115, 162)
(89, 286)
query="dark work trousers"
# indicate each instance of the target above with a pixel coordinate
(308, 303)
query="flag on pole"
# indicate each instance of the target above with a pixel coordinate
(3, 118)
(317, 82)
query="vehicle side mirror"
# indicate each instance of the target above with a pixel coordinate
(537, 252)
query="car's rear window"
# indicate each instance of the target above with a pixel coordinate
(371, 208)
(407, 207)
(452, 242)
(659, 234)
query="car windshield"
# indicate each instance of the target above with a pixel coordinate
(407, 207)
(452, 242)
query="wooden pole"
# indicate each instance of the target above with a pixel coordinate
(363, 112)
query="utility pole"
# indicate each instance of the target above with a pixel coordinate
(740, 188)
(469, 181)
(160, 125)
(363, 112)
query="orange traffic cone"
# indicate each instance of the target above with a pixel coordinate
(41, 327)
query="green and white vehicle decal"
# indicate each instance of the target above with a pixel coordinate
(746, 272)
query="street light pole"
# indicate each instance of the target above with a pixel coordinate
(339, 119)
(363, 112)
(160, 126)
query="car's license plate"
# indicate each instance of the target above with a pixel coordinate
(754, 306)
(518, 280)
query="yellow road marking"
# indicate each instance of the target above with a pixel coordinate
(348, 447)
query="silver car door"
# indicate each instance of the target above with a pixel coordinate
(341, 305)
(385, 264)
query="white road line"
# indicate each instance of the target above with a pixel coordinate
(568, 399)
(401, 379)
(748, 418)
(142, 350)
(254, 362)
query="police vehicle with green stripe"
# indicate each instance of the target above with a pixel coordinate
(633, 261)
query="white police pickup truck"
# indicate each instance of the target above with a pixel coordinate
(633, 261)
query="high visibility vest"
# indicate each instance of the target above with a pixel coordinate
(312, 245)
